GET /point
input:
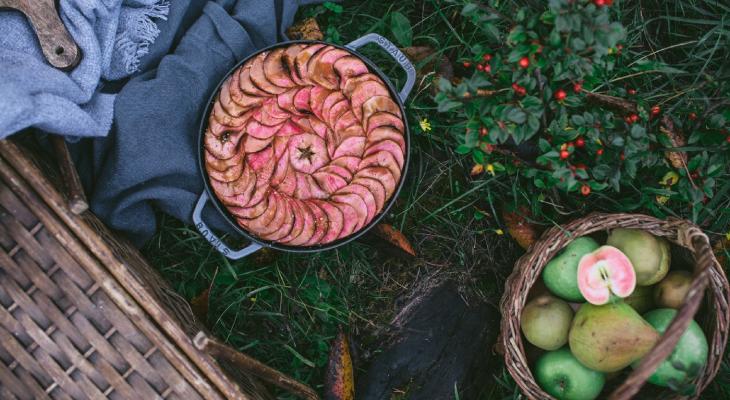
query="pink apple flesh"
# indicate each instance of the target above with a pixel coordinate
(605, 272)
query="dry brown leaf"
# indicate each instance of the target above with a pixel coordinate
(264, 256)
(678, 159)
(476, 169)
(521, 230)
(721, 248)
(339, 381)
(394, 238)
(306, 29)
(199, 305)
(418, 53)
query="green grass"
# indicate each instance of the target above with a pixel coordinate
(285, 308)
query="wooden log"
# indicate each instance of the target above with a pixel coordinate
(438, 343)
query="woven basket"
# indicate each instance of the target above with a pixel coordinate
(710, 285)
(82, 315)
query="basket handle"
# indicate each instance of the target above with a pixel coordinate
(695, 239)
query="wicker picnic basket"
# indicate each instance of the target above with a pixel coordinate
(82, 315)
(709, 290)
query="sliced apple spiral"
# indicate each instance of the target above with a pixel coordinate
(304, 145)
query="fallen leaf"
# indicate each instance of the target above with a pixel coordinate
(476, 169)
(264, 257)
(521, 230)
(722, 248)
(339, 381)
(678, 159)
(395, 238)
(199, 304)
(418, 53)
(306, 29)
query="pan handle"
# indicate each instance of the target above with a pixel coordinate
(208, 234)
(396, 54)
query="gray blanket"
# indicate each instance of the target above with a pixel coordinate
(149, 159)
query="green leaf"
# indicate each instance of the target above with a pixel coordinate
(638, 131)
(335, 8)
(463, 149)
(448, 105)
(548, 17)
(401, 28)
(579, 44)
(577, 120)
(717, 121)
(562, 23)
(517, 35)
(516, 115)
(469, 9)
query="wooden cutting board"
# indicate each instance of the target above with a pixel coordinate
(58, 47)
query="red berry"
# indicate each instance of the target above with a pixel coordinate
(599, 152)
(480, 67)
(483, 131)
(487, 57)
(577, 87)
(727, 139)
(634, 118)
(631, 92)
(488, 68)
(695, 175)
(580, 142)
(622, 156)
(692, 116)
(599, 3)
(519, 90)
(524, 62)
(467, 64)
(620, 47)
(560, 95)
(627, 119)
(585, 190)
(564, 154)
(655, 110)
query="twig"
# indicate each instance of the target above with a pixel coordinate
(72, 183)
(221, 351)
(616, 103)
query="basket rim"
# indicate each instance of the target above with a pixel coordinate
(527, 270)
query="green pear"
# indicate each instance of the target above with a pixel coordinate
(610, 337)
(650, 255)
(545, 322)
(689, 355)
(642, 300)
(561, 273)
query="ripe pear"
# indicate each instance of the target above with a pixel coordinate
(610, 337)
(672, 290)
(650, 255)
